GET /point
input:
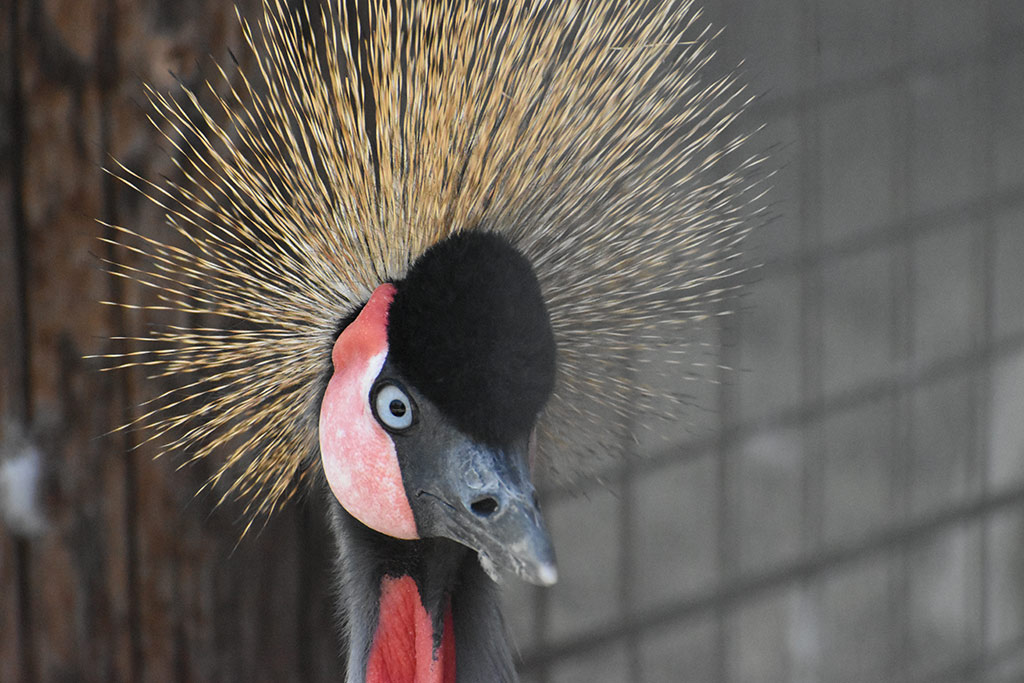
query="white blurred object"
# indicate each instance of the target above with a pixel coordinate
(20, 474)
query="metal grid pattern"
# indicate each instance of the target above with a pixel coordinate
(851, 506)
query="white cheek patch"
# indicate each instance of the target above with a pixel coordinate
(359, 457)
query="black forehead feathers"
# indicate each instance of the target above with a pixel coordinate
(468, 327)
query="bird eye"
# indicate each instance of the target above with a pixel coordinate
(393, 407)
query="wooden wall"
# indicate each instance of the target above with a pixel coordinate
(132, 577)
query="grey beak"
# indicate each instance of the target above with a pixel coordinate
(483, 498)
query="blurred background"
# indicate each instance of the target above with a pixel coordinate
(847, 504)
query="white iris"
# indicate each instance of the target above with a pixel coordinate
(393, 407)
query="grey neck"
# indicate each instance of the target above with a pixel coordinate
(442, 570)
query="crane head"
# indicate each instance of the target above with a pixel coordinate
(427, 424)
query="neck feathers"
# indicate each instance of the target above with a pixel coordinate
(437, 588)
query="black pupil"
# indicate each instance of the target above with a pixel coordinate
(397, 408)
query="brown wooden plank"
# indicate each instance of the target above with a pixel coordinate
(135, 579)
(12, 407)
(185, 569)
(78, 597)
(206, 608)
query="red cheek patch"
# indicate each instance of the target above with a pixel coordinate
(358, 456)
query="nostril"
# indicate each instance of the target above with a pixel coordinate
(484, 507)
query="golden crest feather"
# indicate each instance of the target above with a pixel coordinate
(584, 131)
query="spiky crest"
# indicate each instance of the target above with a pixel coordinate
(584, 131)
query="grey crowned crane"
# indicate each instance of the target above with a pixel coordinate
(437, 235)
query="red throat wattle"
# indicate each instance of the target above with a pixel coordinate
(358, 456)
(403, 647)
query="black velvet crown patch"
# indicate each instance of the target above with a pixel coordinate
(469, 329)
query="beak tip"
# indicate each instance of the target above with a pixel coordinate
(547, 574)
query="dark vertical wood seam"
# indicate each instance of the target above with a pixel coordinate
(22, 313)
(22, 548)
(107, 76)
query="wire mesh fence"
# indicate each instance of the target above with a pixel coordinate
(851, 507)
